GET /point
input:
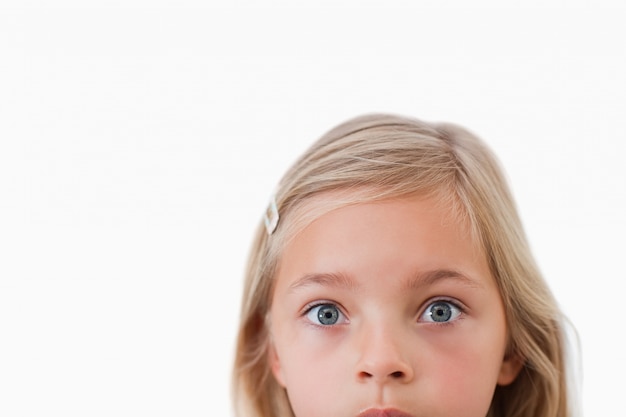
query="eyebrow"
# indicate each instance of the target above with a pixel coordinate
(335, 280)
(427, 278)
(420, 280)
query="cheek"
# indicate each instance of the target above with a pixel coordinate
(308, 357)
(466, 382)
(315, 372)
(463, 370)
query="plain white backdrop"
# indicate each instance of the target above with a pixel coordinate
(140, 141)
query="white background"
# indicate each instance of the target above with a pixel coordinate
(139, 142)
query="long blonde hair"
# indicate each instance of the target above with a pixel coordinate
(375, 157)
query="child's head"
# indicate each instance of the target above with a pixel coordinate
(398, 277)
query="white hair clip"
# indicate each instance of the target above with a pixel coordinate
(271, 216)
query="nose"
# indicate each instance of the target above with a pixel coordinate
(383, 356)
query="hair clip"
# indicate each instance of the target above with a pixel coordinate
(271, 216)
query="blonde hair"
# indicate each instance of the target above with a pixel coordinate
(377, 157)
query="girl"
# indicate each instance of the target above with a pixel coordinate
(392, 278)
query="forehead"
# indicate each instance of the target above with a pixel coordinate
(302, 214)
(411, 233)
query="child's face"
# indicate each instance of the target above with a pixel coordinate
(388, 306)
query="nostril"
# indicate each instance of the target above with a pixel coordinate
(397, 375)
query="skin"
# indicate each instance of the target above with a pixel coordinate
(379, 267)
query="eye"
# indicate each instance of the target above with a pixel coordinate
(325, 314)
(441, 312)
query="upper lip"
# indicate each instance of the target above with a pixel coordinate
(386, 412)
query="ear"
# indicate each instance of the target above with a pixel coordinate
(511, 366)
(275, 366)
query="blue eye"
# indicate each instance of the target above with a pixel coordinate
(325, 314)
(441, 312)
